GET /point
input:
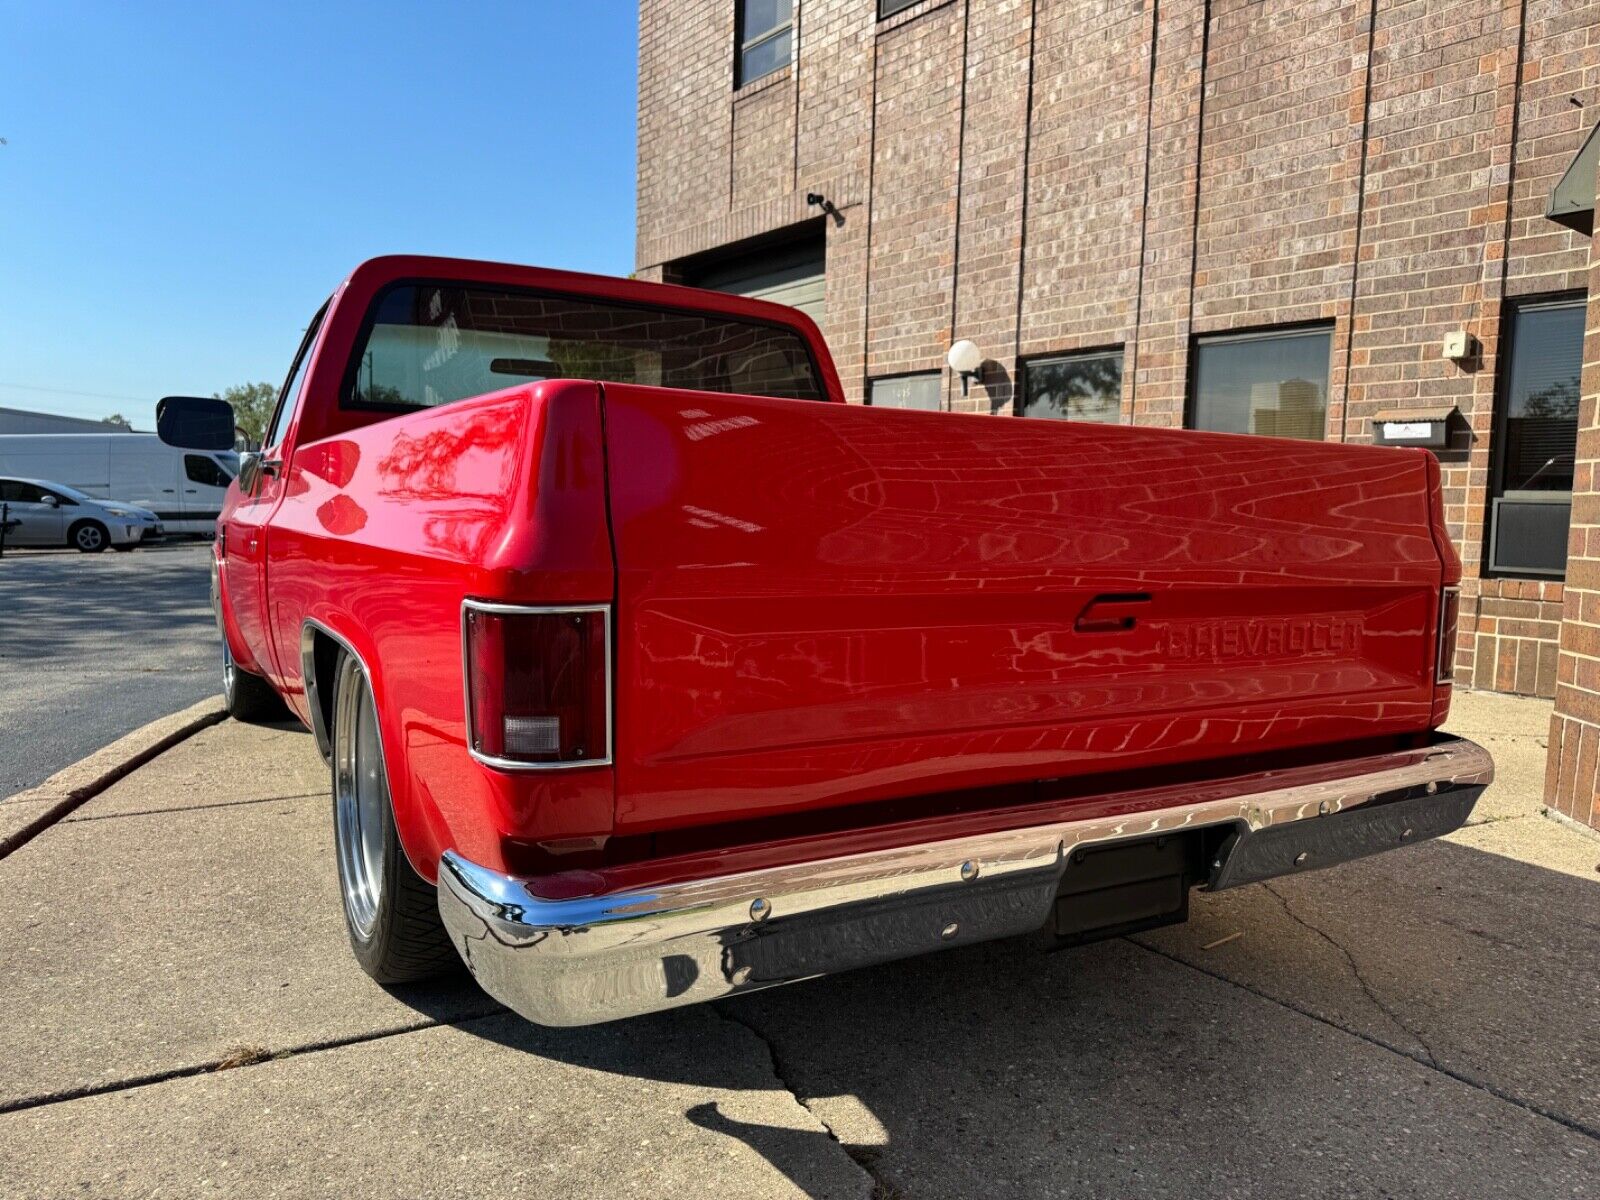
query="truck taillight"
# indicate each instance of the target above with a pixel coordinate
(1449, 610)
(538, 684)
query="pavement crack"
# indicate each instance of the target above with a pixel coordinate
(864, 1157)
(238, 1059)
(1539, 1110)
(1355, 970)
(157, 812)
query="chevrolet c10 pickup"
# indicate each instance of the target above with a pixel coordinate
(650, 671)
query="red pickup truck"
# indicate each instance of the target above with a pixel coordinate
(649, 671)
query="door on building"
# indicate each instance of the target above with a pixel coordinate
(793, 274)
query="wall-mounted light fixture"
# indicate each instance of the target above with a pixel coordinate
(818, 200)
(966, 360)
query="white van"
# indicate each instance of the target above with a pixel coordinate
(182, 487)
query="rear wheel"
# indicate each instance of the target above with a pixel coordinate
(391, 912)
(89, 537)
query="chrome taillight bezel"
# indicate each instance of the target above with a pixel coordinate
(603, 612)
(1449, 625)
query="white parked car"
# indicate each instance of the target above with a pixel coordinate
(41, 513)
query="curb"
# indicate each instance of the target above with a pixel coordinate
(88, 777)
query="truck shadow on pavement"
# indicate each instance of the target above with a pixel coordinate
(1413, 1024)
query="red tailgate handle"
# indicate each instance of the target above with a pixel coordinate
(1103, 614)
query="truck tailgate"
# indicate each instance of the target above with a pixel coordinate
(822, 604)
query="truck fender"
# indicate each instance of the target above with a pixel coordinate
(321, 642)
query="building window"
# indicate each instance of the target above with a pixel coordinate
(1074, 387)
(909, 391)
(1536, 438)
(888, 8)
(766, 38)
(1273, 383)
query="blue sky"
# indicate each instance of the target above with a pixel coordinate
(185, 182)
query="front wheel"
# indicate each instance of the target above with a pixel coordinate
(391, 912)
(248, 697)
(89, 537)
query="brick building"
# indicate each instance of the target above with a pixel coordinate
(1269, 216)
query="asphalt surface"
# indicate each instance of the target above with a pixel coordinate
(93, 646)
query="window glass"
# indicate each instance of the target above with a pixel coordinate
(766, 42)
(61, 498)
(1274, 383)
(1539, 438)
(201, 468)
(14, 491)
(430, 344)
(887, 8)
(1078, 387)
(909, 391)
(291, 386)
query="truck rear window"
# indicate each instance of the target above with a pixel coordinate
(431, 343)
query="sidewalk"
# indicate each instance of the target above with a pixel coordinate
(184, 1018)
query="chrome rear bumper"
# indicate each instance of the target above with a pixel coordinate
(598, 958)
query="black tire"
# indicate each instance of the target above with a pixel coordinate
(395, 934)
(248, 697)
(88, 537)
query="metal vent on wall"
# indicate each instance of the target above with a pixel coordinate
(1530, 535)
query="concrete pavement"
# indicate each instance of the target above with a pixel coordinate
(1419, 1024)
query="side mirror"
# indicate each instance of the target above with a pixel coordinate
(195, 423)
(49, 501)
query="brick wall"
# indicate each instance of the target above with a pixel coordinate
(1049, 175)
(1572, 775)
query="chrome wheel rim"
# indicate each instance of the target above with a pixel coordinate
(227, 669)
(360, 800)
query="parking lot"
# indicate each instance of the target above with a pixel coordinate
(185, 1019)
(95, 645)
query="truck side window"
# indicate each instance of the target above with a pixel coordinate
(202, 468)
(428, 344)
(291, 386)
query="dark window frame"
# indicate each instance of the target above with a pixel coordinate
(1019, 401)
(278, 410)
(1495, 488)
(352, 369)
(741, 45)
(893, 8)
(1263, 332)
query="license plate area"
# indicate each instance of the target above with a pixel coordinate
(1111, 890)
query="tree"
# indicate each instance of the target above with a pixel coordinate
(252, 407)
(119, 420)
